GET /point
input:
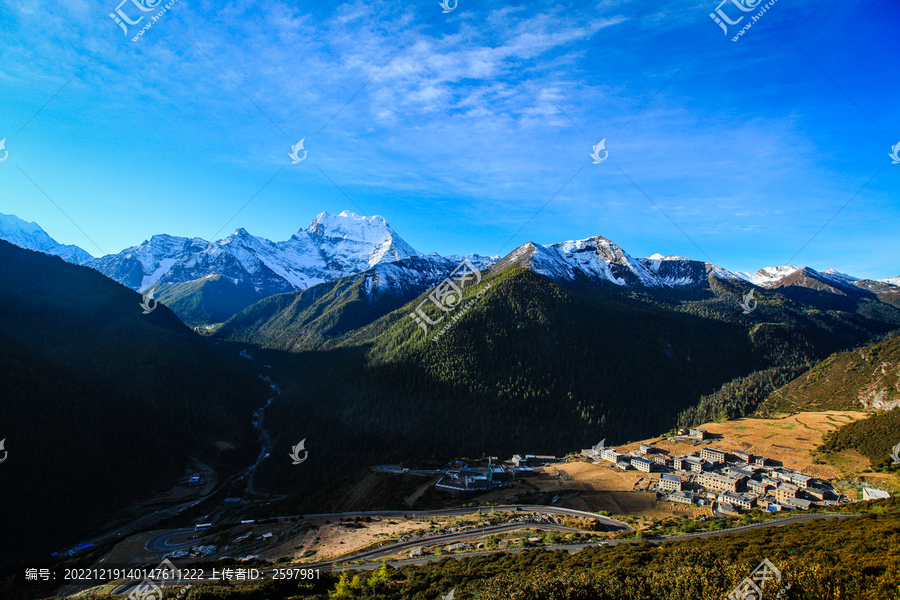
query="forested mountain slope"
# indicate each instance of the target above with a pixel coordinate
(864, 378)
(100, 402)
(529, 366)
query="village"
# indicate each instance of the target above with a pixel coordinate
(722, 480)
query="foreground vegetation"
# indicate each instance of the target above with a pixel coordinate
(854, 557)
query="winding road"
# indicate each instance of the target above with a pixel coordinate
(336, 565)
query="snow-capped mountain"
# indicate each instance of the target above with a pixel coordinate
(332, 246)
(828, 280)
(599, 259)
(30, 236)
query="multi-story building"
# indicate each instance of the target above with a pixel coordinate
(609, 454)
(786, 491)
(713, 455)
(800, 479)
(662, 460)
(641, 464)
(757, 487)
(744, 501)
(624, 464)
(670, 483)
(697, 434)
(721, 483)
(762, 461)
(743, 456)
(694, 464)
(646, 449)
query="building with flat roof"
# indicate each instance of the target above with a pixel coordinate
(645, 449)
(744, 501)
(610, 454)
(743, 455)
(624, 464)
(786, 491)
(682, 497)
(758, 487)
(670, 483)
(455, 482)
(698, 434)
(694, 464)
(536, 460)
(720, 483)
(662, 460)
(762, 461)
(642, 464)
(713, 455)
(728, 508)
(800, 479)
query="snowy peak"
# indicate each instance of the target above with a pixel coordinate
(350, 226)
(332, 246)
(769, 276)
(31, 237)
(599, 259)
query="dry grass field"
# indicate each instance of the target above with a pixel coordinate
(790, 440)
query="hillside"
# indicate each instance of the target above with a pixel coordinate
(102, 403)
(866, 378)
(211, 299)
(531, 366)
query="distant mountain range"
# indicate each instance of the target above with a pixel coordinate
(208, 282)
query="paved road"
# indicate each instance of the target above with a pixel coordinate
(336, 565)
(611, 524)
(450, 538)
(160, 542)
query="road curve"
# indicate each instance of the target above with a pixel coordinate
(160, 541)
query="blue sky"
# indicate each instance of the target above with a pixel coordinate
(741, 153)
